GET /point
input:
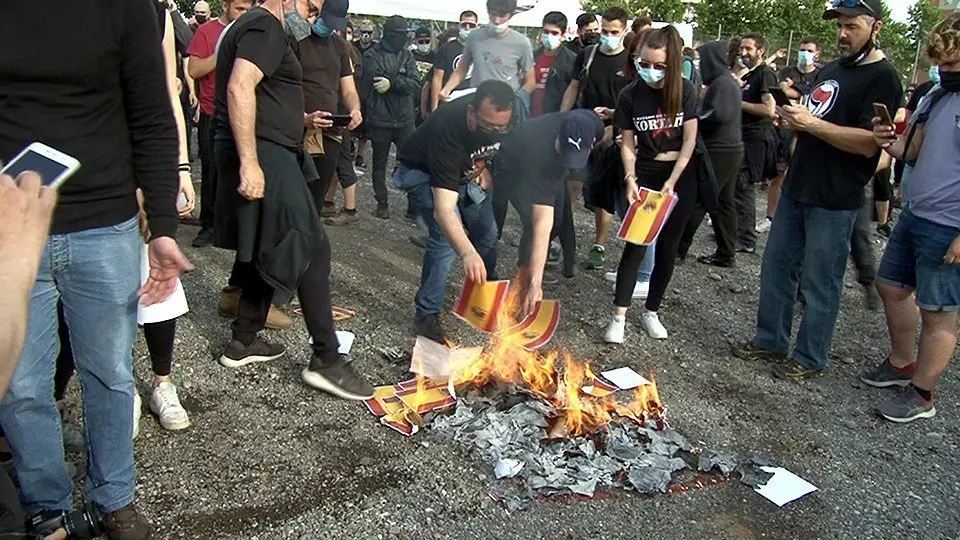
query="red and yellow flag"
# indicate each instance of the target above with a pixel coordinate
(538, 328)
(480, 305)
(646, 217)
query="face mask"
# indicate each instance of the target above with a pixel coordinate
(499, 28)
(394, 41)
(610, 43)
(464, 33)
(423, 48)
(550, 41)
(296, 26)
(934, 74)
(200, 18)
(949, 80)
(649, 75)
(805, 58)
(590, 38)
(858, 56)
(349, 37)
(321, 29)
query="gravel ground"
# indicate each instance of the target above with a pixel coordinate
(268, 457)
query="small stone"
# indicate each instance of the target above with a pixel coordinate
(366, 461)
(714, 276)
(735, 289)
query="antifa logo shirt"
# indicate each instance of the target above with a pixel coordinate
(823, 97)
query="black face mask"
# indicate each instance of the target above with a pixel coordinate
(394, 41)
(950, 80)
(864, 51)
(590, 38)
(200, 18)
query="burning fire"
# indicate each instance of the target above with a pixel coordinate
(557, 378)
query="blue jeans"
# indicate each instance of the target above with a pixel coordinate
(646, 265)
(96, 274)
(816, 241)
(439, 255)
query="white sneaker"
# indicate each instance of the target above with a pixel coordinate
(764, 226)
(137, 411)
(640, 290)
(610, 277)
(615, 330)
(650, 322)
(166, 405)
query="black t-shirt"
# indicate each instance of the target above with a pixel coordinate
(756, 83)
(641, 110)
(447, 150)
(361, 48)
(601, 85)
(324, 62)
(808, 78)
(448, 59)
(258, 37)
(918, 94)
(820, 174)
(424, 62)
(530, 161)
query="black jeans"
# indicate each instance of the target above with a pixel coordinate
(208, 171)
(652, 175)
(726, 166)
(326, 164)
(861, 246)
(562, 224)
(751, 173)
(381, 138)
(314, 294)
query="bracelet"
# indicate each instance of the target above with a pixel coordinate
(184, 167)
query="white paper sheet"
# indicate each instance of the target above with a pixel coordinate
(344, 338)
(171, 308)
(624, 378)
(460, 93)
(784, 487)
(435, 361)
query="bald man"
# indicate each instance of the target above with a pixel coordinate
(201, 14)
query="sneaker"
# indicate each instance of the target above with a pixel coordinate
(127, 524)
(383, 211)
(204, 238)
(610, 277)
(553, 254)
(229, 302)
(339, 379)
(615, 330)
(795, 371)
(753, 353)
(165, 403)
(884, 375)
(640, 290)
(650, 322)
(342, 218)
(137, 412)
(358, 163)
(748, 250)
(906, 406)
(329, 210)
(763, 227)
(874, 302)
(713, 260)
(429, 327)
(238, 355)
(885, 229)
(595, 259)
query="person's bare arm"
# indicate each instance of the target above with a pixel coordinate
(456, 78)
(529, 81)
(436, 85)
(885, 137)
(570, 95)
(445, 212)
(242, 104)
(191, 84)
(170, 59)
(201, 67)
(351, 98)
(628, 153)
(766, 108)
(540, 242)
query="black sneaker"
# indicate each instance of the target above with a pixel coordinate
(204, 238)
(329, 210)
(238, 355)
(358, 163)
(908, 405)
(714, 260)
(751, 352)
(339, 379)
(794, 371)
(884, 375)
(383, 211)
(127, 524)
(429, 327)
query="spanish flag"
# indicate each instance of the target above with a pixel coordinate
(480, 305)
(646, 217)
(536, 329)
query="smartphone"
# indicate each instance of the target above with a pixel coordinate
(883, 113)
(53, 166)
(780, 97)
(340, 119)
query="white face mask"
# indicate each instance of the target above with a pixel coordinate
(805, 58)
(423, 48)
(550, 41)
(499, 28)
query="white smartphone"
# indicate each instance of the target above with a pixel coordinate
(53, 166)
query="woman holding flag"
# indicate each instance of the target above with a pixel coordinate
(657, 114)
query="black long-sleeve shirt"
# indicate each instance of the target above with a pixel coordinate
(89, 80)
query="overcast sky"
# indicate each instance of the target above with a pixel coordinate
(898, 8)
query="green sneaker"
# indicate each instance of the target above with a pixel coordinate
(794, 371)
(753, 353)
(595, 259)
(906, 406)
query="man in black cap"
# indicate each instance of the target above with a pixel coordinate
(531, 172)
(834, 158)
(327, 82)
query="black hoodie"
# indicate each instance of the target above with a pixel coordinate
(720, 111)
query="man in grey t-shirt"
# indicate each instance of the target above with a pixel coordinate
(496, 52)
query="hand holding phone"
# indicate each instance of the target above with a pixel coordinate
(341, 120)
(53, 166)
(881, 111)
(780, 97)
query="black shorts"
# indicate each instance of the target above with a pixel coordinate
(882, 187)
(604, 187)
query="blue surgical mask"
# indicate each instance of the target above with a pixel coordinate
(499, 28)
(805, 58)
(464, 33)
(934, 74)
(610, 43)
(321, 29)
(650, 76)
(296, 26)
(550, 41)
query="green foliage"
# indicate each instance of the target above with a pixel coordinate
(922, 17)
(658, 10)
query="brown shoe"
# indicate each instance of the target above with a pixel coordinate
(278, 320)
(343, 218)
(127, 524)
(328, 210)
(229, 300)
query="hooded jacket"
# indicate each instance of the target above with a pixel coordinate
(395, 108)
(558, 79)
(720, 111)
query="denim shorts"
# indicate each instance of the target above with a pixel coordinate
(914, 260)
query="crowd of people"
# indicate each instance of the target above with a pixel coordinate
(284, 96)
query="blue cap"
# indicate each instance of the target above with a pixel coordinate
(578, 133)
(334, 13)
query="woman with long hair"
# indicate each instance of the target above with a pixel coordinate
(657, 114)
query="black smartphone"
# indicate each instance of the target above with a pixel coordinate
(340, 120)
(780, 97)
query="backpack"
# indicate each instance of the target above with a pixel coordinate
(691, 73)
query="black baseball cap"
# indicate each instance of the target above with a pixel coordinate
(579, 131)
(853, 8)
(334, 13)
(422, 31)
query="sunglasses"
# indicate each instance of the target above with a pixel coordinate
(364, 33)
(855, 4)
(651, 65)
(468, 25)
(425, 41)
